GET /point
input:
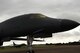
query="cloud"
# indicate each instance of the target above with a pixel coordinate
(51, 7)
(48, 6)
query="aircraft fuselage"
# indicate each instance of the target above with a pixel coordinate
(31, 24)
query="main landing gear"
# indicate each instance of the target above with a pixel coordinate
(29, 43)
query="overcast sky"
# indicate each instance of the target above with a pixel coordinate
(68, 9)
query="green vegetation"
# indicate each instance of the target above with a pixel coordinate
(8, 49)
(22, 48)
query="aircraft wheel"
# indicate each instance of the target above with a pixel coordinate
(31, 51)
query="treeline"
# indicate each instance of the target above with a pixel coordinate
(70, 43)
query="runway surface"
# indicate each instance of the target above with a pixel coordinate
(49, 49)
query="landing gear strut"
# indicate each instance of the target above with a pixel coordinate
(29, 43)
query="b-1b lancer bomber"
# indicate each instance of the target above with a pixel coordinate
(33, 25)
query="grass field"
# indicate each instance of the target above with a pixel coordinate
(44, 49)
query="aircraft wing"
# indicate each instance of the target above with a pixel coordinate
(23, 39)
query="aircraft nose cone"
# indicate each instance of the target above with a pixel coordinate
(69, 24)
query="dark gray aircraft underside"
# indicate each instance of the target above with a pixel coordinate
(32, 24)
